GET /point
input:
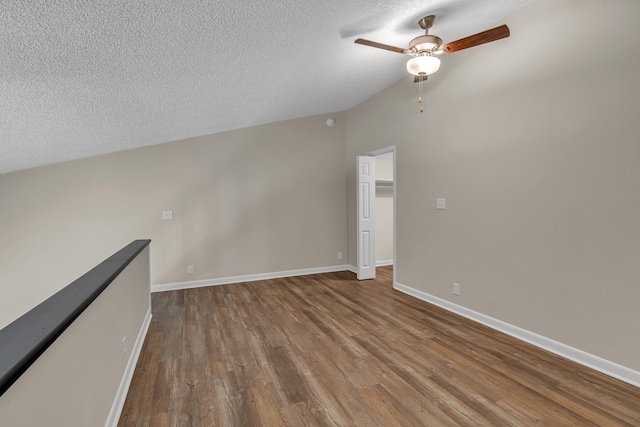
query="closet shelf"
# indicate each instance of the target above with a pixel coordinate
(384, 182)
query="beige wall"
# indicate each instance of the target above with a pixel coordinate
(533, 141)
(74, 382)
(384, 166)
(257, 200)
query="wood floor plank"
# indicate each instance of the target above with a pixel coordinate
(263, 403)
(305, 415)
(329, 350)
(388, 408)
(416, 402)
(457, 410)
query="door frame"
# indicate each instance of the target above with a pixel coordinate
(390, 149)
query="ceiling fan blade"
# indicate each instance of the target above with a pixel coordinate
(494, 34)
(380, 46)
(418, 79)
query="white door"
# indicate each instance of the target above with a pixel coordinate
(366, 210)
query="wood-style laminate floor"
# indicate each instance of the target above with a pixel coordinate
(327, 350)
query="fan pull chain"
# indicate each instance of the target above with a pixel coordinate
(420, 95)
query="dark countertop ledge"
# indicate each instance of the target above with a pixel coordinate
(25, 339)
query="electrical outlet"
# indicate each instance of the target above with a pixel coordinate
(339, 255)
(441, 204)
(191, 269)
(167, 214)
(456, 289)
(124, 348)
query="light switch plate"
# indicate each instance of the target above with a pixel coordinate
(441, 204)
(167, 214)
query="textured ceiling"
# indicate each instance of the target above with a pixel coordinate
(80, 78)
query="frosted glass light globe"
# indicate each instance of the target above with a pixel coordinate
(423, 65)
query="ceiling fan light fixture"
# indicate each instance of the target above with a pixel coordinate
(423, 65)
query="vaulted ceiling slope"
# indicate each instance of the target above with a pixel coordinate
(81, 78)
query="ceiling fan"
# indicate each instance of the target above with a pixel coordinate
(425, 48)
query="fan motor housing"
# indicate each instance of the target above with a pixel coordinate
(425, 43)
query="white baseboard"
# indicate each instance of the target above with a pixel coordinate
(354, 269)
(247, 278)
(125, 382)
(589, 360)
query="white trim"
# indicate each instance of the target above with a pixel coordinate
(381, 151)
(246, 278)
(589, 360)
(384, 262)
(352, 268)
(125, 382)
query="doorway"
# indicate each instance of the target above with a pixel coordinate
(376, 244)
